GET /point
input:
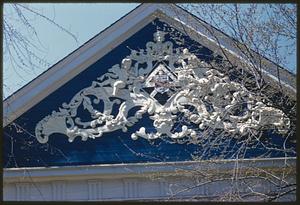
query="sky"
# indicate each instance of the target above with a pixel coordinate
(82, 19)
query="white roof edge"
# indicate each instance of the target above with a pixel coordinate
(225, 42)
(21, 101)
(66, 69)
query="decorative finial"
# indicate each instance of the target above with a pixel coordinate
(159, 36)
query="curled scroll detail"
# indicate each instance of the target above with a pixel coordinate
(173, 83)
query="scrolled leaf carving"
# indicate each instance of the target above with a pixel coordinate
(172, 80)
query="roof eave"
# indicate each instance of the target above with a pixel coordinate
(104, 42)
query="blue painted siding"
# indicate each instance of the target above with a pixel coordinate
(21, 149)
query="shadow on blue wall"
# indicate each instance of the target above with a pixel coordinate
(21, 148)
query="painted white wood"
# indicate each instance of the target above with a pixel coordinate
(77, 190)
(118, 82)
(111, 182)
(75, 63)
(130, 188)
(226, 43)
(120, 170)
(58, 190)
(151, 181)
(100, 45)
(23, 191)
(41, 191)
(163, 188)
(113, 191)
(95, 190)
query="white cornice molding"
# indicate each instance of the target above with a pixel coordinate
(136, 169)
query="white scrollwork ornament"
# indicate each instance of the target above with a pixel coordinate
(172, 81)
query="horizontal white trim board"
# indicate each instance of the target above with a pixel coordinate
(137, 169)
(140, 181)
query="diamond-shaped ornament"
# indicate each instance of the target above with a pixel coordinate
(160, 84)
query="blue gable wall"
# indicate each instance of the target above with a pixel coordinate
(21, 149)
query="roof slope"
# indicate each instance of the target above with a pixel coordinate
(104, 42)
